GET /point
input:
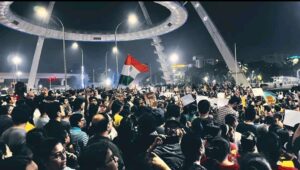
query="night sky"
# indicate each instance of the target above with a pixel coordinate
(258, 28)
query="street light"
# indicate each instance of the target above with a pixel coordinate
(16, 60)
(75, 46)
(205, 79)
(174, 57)
(42, 13)
(132, 20)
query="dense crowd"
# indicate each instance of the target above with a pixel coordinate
(93, 129)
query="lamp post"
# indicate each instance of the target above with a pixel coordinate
(132, 20)
(76, 46)
(42, 13)
(16, 60)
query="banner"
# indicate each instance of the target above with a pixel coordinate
(187, 99)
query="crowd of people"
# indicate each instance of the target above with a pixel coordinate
(93, 129)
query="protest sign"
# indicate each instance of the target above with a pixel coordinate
(258, 92)
(291, 118)
(187, 99)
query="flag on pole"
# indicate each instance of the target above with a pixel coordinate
(131, 69)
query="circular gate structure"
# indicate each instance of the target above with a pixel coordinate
(176, 19)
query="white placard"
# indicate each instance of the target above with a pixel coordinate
(187, 99)
(291, 117)
(258, 92)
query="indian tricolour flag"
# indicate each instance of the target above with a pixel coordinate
(131, 69)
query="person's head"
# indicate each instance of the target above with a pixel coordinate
(18, 163)
(267, 108)
(192, 147)
(250, 114)
(218, 149)
(78, 104)
(34, 138)
(269, 120)
(234, 101)
(248, 142)
(277, 108)
(77, 120)
(173, 110)
(116, 107)
(231, 120)
(254, 161)
(53, 110)
(278, 117)
(20, 115)
(203, 107)
(52, 154)
(269, 145)
(98, 156)
(146, 124)
(172, 126)
(101, 123)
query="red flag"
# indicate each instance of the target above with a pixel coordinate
(130, 60)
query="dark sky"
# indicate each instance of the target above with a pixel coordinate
(258, 28)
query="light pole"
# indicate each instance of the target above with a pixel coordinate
(132, 20)
(16, 60)
(76, 46)
(42, 13)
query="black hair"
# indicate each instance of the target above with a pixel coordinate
(74, 119)
(146, 124)
(269, 145)
(34, 138)
(46, 147)
(190, 146)
(248, 142)
(20, 114)
(218, 149)
(267, 108)
(77, 104)
(230, 119)
(116, 107)
(254, 161)
(52, 110)
(16, 163)
(172, 111)
(250, 113)
(277, 108)
(269, 120)
(278, 116)
(234, 100)
(94, 156)
(203, 106)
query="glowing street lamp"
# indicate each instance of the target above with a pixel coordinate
(205, 79)
(75, 46)
(115, 50)
(16, 60)
(42, 13)
(174, 57)
(108, 82)
(131, 20)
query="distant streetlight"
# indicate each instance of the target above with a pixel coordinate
(205, 79)
(75, 46)
(259, 77)
(115, 50)
(16, 60)
(19, 73)
(108, 82)
(295, 61)
(132, 20)
(174, 57)
(42, 13)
